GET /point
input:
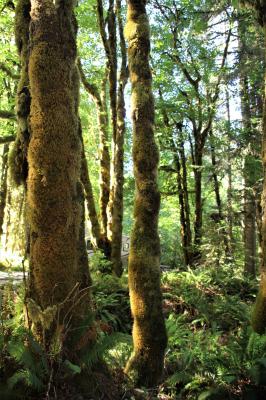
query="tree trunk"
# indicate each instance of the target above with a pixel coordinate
(93, 217)
(99, 98)
(105, 163)
(59, 277)
(249, 182)
(198, 204)
(149, 334)
(218, 198)
(18, 156)
(3, 191)
(230, 186)
(259, 313)
(116, 198)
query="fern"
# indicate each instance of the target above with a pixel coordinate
(26, 376)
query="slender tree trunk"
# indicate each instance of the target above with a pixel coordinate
(59, 277)
(3, 190)
(249, 201)
(149, 334)
(218, 198)
(116, 200)
(180, 166)
(105, 163)
(18, 156)
(198, 203)
(93, 218)
(183, 222)
(99, 98)
(186, 198)
(230, 185)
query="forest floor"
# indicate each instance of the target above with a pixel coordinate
(212, 351)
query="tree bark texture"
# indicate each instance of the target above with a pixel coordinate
(249, 175)
(149, 334)
(259, 312)
(18, 156)
(3, 188)
(59, 277)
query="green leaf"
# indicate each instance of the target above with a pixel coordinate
(73, 367)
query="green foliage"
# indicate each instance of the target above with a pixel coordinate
(112, 302)
(213, 352)
(99, 263)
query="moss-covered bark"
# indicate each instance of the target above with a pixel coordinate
(259, 313)
(116, 198)
(149, 335)
(99, 226)
(3, 185)
(18, 156)
(58, 261)
(116, 96)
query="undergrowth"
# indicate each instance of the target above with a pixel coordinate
(212, 351)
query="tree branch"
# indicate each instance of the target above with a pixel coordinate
(7, 114)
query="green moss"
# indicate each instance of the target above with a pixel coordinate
(258, 320)
(149, 334)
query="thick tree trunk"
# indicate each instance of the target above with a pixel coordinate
(259, 313)
(149, 334)
(59, 277)
(249, 200)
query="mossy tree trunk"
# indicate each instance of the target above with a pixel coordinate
(18, 157)
(218, 199)
(149, 335)
(93, 217)
(59, 277)
(259, 313)
(249, 159)
(230, 183)
(116, 199)
(100, 224)
(117, 105)
(3, 185)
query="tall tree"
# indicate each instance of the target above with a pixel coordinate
(59, 276)
(108, 30)
(259, 313)
(149, 335)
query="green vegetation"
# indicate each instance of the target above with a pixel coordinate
(132, 200)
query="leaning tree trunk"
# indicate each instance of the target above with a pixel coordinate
(149, 335)
(58, 264)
